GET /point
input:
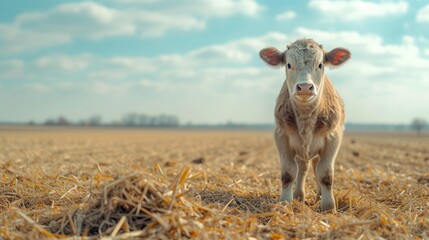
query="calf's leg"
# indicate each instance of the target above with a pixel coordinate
(314, 162)
(299, 192)
(288, 165)
(325, 172)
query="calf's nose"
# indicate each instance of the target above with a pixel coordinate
(304, 88)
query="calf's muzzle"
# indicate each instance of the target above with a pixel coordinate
(305, 89)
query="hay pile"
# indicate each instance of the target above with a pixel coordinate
(128, 204)
(135, 205)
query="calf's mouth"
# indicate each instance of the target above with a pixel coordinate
(305, 97)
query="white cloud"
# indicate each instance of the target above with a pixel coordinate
(136, 64)
(219, 54)
(288, 15)
(10, 69)
(63, 62)
(68, 21)
(200, 8)
(85, 19)
(423, 14)
(137, 1)
(106, 74)
(219, 8)
(92, 20)
(206, 63)
(16, 40)
(39, 88)
(236, 52)
(155, 24)
(158, 85)
(355, 10)
(107, 88)
(121, 67)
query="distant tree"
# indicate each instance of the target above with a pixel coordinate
(63, 121)
(59, 121)
(82, 123)
(164, 120)
(143, 120)
(50, 122)
(95, 120)
(173, 121)
(130, 119)
(153, 121)
(418, 124)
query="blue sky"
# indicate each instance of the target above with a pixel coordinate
(199, 59)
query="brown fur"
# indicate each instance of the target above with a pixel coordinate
(327, 180)
(286, 179)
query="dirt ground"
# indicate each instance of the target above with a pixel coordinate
(205, 184)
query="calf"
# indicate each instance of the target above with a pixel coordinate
(309, 117)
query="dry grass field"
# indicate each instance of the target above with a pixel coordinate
(165, 184)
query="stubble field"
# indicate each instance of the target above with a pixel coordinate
(170, 184)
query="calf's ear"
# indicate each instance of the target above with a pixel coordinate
(272, 56)
(337, 56)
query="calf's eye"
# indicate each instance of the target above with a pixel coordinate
(320, 66)
(289, 66)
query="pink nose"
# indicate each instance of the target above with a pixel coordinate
(304, 88)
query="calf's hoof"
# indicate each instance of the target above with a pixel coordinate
(286, 196)
(299, 195)
(328, 206)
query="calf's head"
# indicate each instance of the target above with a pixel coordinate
(305, 62)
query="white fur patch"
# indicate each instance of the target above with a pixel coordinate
(315, 144)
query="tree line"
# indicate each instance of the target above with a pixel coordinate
(128, 120)
(164, 120)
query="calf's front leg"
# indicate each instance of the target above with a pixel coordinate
(288, 165)
(325, 171)
(299, 192)
(314, 162)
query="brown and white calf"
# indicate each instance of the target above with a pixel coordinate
(309, 117)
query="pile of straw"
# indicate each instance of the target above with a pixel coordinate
(135, 205)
